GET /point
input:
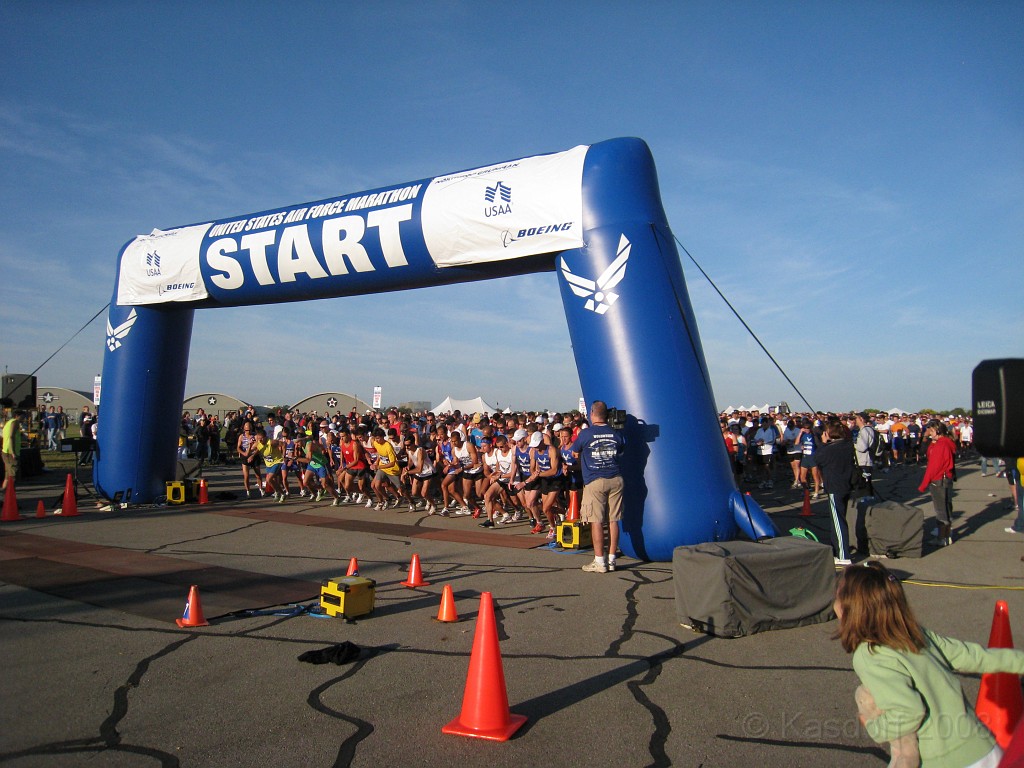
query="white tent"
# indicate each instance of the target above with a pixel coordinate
(476, 405)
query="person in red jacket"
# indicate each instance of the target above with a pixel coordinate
(939, 475)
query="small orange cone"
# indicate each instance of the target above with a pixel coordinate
(415, 576)
(447, 610)
(353, 567)
(1000, 701)
(193, 616)
(204, 495)
(40, 509)
(10, 511)
(807, 504)
(574, 507)
(485, 713)
(70, 505)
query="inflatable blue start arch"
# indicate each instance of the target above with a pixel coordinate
(591, 213)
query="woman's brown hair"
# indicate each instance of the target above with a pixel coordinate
(875, 610)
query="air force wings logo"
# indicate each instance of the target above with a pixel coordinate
(599, 293)
(115, 335)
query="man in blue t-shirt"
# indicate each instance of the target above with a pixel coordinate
(599, 448)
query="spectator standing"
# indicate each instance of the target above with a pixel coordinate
(836, 462)
(790, 439)
(864, 446)
(939, 475)
(1014, 468)
(12, 446)
(765, 440)
(599, 448)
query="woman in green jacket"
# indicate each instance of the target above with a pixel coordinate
(909, 692)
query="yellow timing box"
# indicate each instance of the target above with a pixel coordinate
(175, 492)
(348, 596)
(574, 535)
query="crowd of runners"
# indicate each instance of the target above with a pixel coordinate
(499, 469)
(509, 468)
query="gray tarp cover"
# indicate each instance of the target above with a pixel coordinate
(895, 529)
(737, 588)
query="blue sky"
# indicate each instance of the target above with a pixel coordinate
(850, 174)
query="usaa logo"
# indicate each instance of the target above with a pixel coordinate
(500, 198)
(152, 264)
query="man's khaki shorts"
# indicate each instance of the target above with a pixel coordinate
(602, 500)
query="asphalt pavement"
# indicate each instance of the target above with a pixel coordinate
(97, 672)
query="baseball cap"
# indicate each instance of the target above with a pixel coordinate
(558, 427)
(536, 439)
(519, 435)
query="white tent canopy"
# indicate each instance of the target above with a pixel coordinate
(476, 405)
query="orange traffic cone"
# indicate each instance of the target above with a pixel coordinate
(70, 504)
(1014, 754)
(447, 610)
(40, 509)
(1000, 702)
(415, 576)
(193, 616)
(807, 504)
(10, 511)
(204, 495)
(485, 713)
(353, 567)
(574, 507)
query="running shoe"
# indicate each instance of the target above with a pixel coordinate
(519, 516)
(595, 567)
(505, 518)
(319, 496)
(380, 506)
(248, 494)
(336, 503)
(412, 508)
(430, 509)
(551, 533)
(463, 511)
(537, 528)
(476, 512)
(486, 524)
(282, 499)
(395, 502)
(611, 564)
(443, 512)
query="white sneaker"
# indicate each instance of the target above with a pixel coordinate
(379, 506)
(842, 561)
(463, 511)
(248, 494)
(395, 502)
(519, 516)
(369, 503)
(444, 512)
(595, 567)
(412, 508)
(505, 518)
(336, 503)
(430, 509)
(611, 564)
